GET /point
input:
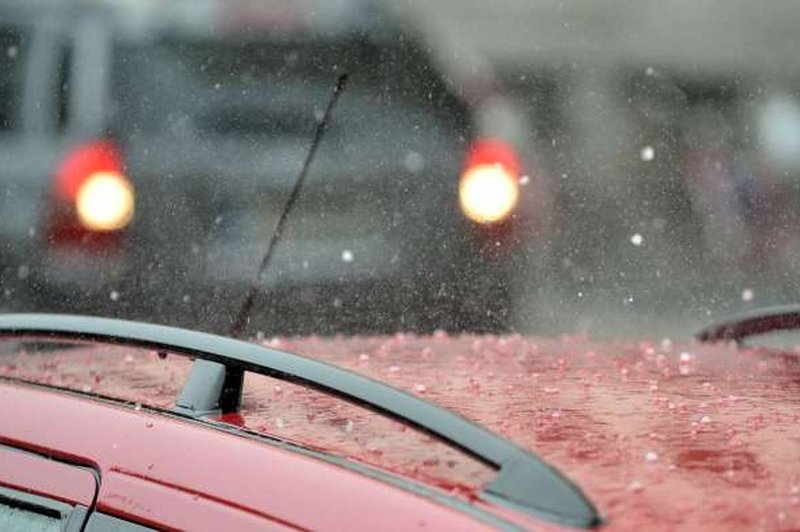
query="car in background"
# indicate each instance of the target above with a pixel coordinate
(148, 149)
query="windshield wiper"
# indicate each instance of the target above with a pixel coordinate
(738, 327)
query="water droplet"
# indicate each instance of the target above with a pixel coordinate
(420, 388)
(637, 239)
(524, 180)
(279, 422)
(347, 255)
(394, 369)
(137, 406)
(635, 486)
(747, 294)
(649, 71)
(647, 153)
(651, 456)
(12, 52)
(114, 295)
(414, 162)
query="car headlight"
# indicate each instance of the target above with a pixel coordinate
(488, 193)
(105, 202)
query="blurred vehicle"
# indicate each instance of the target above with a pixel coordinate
(195, 466)
(148, 149)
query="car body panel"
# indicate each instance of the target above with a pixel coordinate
(49, 478)
(149, 460)
(657, 433)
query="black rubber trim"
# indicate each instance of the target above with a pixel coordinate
(524, 481)
(760, 321)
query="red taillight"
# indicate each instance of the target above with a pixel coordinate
(92, 198)
(488, 190)
(81, 162)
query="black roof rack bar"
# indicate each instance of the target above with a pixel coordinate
(523, 481)
(760, 321)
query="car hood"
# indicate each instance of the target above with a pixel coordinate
(682, 435)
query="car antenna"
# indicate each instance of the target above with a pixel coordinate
(243, 317)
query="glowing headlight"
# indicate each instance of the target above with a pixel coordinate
(105, 202)
(488, 193)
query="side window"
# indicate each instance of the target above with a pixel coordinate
(21, 512)
(11, 74)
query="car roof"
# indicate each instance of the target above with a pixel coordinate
(173, 473)
(681, 434)
(523, 483)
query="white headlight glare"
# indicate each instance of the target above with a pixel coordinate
(488, 193)
(105, 202)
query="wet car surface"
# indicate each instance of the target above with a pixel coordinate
(646, 179)
(678, 436)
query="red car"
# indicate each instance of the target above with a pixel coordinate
(87, 461)
(658, 434)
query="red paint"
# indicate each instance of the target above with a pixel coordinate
(173, 473)
(48, 478)
(722, 423)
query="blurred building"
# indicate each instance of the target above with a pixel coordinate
(675, 130)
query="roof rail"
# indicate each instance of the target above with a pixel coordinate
(524, 482)
(760, 321)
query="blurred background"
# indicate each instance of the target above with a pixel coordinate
(614, 168)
